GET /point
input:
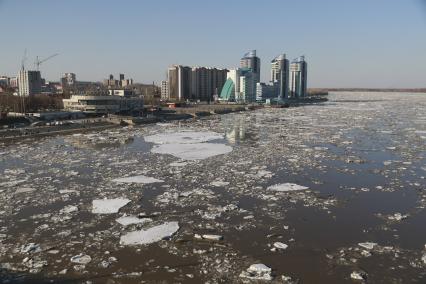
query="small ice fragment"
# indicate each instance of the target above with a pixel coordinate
(211, 237)
(257, 271)
(284, 187)
(367, 245)
(280, 245)
(69, 209)
(30, 248)
(219, 183)
(359, 275)
(107, 206)
(24, 190)
(137, 179)
(81, 258)
(150, 235)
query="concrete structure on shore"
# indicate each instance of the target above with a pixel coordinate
(298, 78)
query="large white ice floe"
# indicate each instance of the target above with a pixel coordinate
(151, 235)
(130, 220)
(257, 271)
(107, 206)
(196, 151)
(284, 187)
(183, 137)
(188, 145)
(137, 179)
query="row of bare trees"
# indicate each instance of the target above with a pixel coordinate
(34, 103)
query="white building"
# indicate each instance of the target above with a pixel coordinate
(164, 90)
(29, 82)
(103, 104)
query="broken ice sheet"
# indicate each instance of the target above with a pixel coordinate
(130, 220)
(284, 187)
(188, 145)
(137, 179)
(196, 151)
(151, 235)
(107, 206)
(183, 137)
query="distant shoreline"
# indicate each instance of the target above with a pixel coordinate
(415, 90)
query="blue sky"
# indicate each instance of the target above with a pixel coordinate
(357, 43)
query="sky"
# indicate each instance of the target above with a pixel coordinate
(347, 43)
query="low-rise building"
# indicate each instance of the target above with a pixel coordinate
(103, 104)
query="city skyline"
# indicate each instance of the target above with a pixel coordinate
(143, 39)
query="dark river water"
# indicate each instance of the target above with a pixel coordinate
(358, 159)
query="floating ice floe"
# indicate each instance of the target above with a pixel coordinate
(196, 151)
(24, 190)
(219, 183)
(208, 237)
(137, 179)
(279, 245)
(81, 259)
(359, 275)
(130, 220)
(183, 137)
(188, 145)
(257, 271)
(284, 187)
(107, 206)
(150, 235)
(367, 245)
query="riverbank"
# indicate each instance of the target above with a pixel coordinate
(165, 115)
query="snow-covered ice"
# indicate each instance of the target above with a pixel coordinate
(195, 151)
(137, 179)
(183, 137)
(107, 206)
(129, 220)
(151, 235)
(284, 187)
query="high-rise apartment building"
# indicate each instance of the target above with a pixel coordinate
(29, 82)
(68, 79)
(248, 82)
(280, 75)
(196, 83)
(298, 77)
(164, 90)
(251, 61)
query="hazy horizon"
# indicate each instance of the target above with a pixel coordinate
(362, 44)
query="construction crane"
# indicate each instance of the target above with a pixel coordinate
(24, 59)
(38, 61)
